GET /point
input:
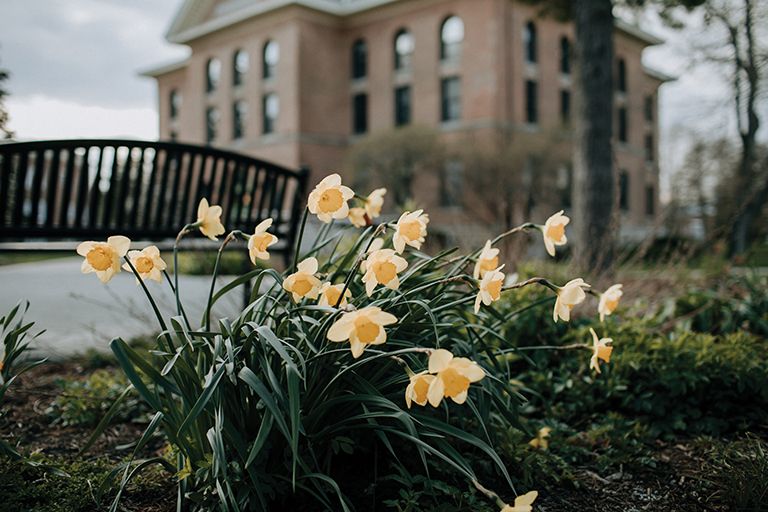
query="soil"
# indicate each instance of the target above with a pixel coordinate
(679, 482)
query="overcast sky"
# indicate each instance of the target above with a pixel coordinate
(75, 63)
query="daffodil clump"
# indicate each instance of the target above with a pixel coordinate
(380, 346)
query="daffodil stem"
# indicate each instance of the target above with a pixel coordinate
(533, 280)
(231, 236)
(489, 494)
(352, 271)
(298, 240)
(521, 227)
(186, 229)
(173, 289)
(572, 346)
(152, 303)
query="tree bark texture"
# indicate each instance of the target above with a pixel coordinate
(593, 153)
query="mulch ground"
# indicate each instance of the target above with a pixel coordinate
(680, 482)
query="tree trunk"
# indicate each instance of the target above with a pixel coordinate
(593, 154)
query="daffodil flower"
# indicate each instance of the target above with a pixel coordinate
(601, 349)
(382, 267)
(330, 294)
(609, 301)
(522, 503)
(453, 376)
(260, 241)
(490, 288)
(417, 389)
(329, 199)
(362, 328)
(567, 297)
(411, 229)
(554, 231)
(375, 202)
(540, 441)
(487, 261)
(209, 219)
(303, 282)
(103, 258)
(147, 262)
(358, 217)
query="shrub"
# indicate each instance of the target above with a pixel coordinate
(270, 410)
(13, 357)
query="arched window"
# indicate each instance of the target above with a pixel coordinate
(359, 60)
(212, 74)
(240, 65)
(565, 56)
(529, 42)
(271, 57)
(451, 37)
(270, 110)
(174, 102)
(621, 79)
(404, 45)
(239, 114)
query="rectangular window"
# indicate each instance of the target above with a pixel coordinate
(650, 200)
(565, 106)
(402, 105)
(452, 183)
(623, 124)
(648, 108)
(624, 191)
(450, 91)
(270, 109)
(649, 147)
(531, 102)
(211, 124)
(359, 113)
(239, 112)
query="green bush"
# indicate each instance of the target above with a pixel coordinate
(84, 402)
(686, 383)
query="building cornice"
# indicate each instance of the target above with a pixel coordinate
(658, 75)
(164, 69)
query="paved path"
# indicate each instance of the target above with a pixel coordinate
(79, 312)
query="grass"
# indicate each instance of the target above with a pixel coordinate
(16, 257)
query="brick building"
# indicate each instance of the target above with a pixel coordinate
(300, 81)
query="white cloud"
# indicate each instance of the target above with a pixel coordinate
(42, 117)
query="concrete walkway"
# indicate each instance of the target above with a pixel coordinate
(78, 312)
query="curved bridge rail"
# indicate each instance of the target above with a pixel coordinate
(77, 189)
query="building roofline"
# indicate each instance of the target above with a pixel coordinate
(177, 33)
(164, 68)
(638, 33)
(658, 75)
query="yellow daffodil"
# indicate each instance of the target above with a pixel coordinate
(303, 282)
(411, 229)
(490, 288)
(209, 219)
(601, 349)
(103, 257)
(554, 231)
(417, 389)
(522, 503)
(567, 297)
(453, 376)
(147, 263)
(381, 267)
(362, 328)
(487, 261)
(260, 240)
(375, 202)
(329, 199)
(540, 441)
(330, 294)
(358, 217)
(609, 301)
